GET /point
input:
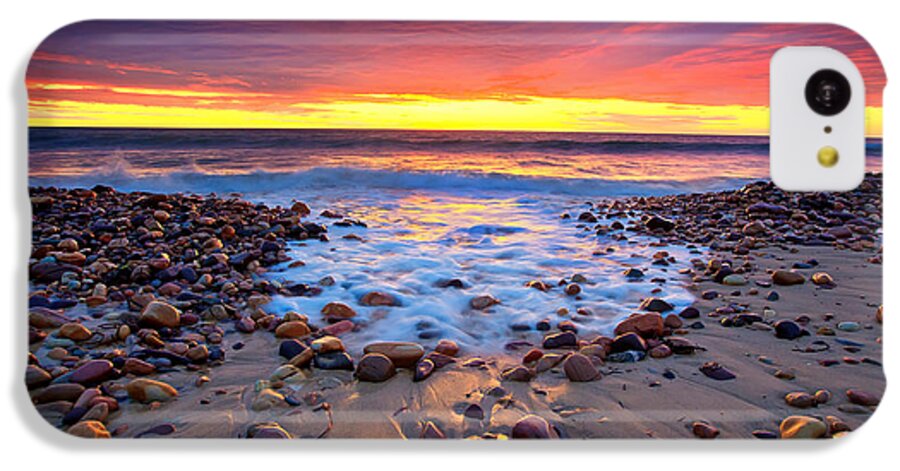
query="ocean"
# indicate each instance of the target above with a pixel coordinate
(483, 207)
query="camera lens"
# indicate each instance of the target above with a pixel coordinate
(828, 92)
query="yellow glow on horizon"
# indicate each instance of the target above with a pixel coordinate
(418, 112)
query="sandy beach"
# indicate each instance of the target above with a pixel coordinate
(169, 315)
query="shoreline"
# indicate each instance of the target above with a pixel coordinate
(220, 390)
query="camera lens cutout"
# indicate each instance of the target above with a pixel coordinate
(828, 92)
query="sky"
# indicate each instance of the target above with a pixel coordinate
(572, 77)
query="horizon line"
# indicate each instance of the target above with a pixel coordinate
(504, 131)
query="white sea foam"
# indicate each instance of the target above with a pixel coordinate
(494, 243)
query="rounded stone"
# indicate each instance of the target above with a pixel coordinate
(94, 371)
(378, 298)
(800, 400)
(579, 368)
(863, 398)
(447, 347)
(483, 302)
(375, 368)
(704, 430)
(160, 314)
(89, 429)
(533, 427)
(327, 344)
(402, 354)
(629, 341)
(337, 311)
(292, 329)
(148, 390)
(787, 278)
(36, 377)
(648, 325)
(74, 331)
(800, 426)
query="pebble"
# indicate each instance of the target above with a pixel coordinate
(36, 377)
(764, 434)
(378, 298)
(683, 346)
(704, 430)
(823, 279)
(573, 289)
(785, 375)
(338, 328)
(268, 430)
(267, 399)
(648, 325)
(148, 390)
(423, 370)
(822, 396)
(517, 373)
(800, 400)
(284, 372)
(337, 311)
(447, 347)
(94, 371)
(68, 392)
(375, 368)
(787, 278)
(628, 356)
(402, 354)
(734, 280)
(98, 412)
(290, 348)
(854, 409)
(548, 361)
(660, 351)
(689, 312)
(849, 326)
(440, 360)
(560, 340)
(788, 330)
(672, 321)
(327, 344)
(137, 367)
(198, 354)
(533, 427)
(800, 426)
(474, 411)
(628, 342)
(245, 324)
(863, 398)
(483, 302)
(579, 368)
(333, 361)
(160, 314)
(826, 331)
(655, 305)
(836, 424)
(89, 429)
(716, 371)
(657, 223)
(292, 329)
(74, 331)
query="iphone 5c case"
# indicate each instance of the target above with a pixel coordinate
(453, 230)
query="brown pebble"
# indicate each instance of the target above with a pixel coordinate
(704, 430)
